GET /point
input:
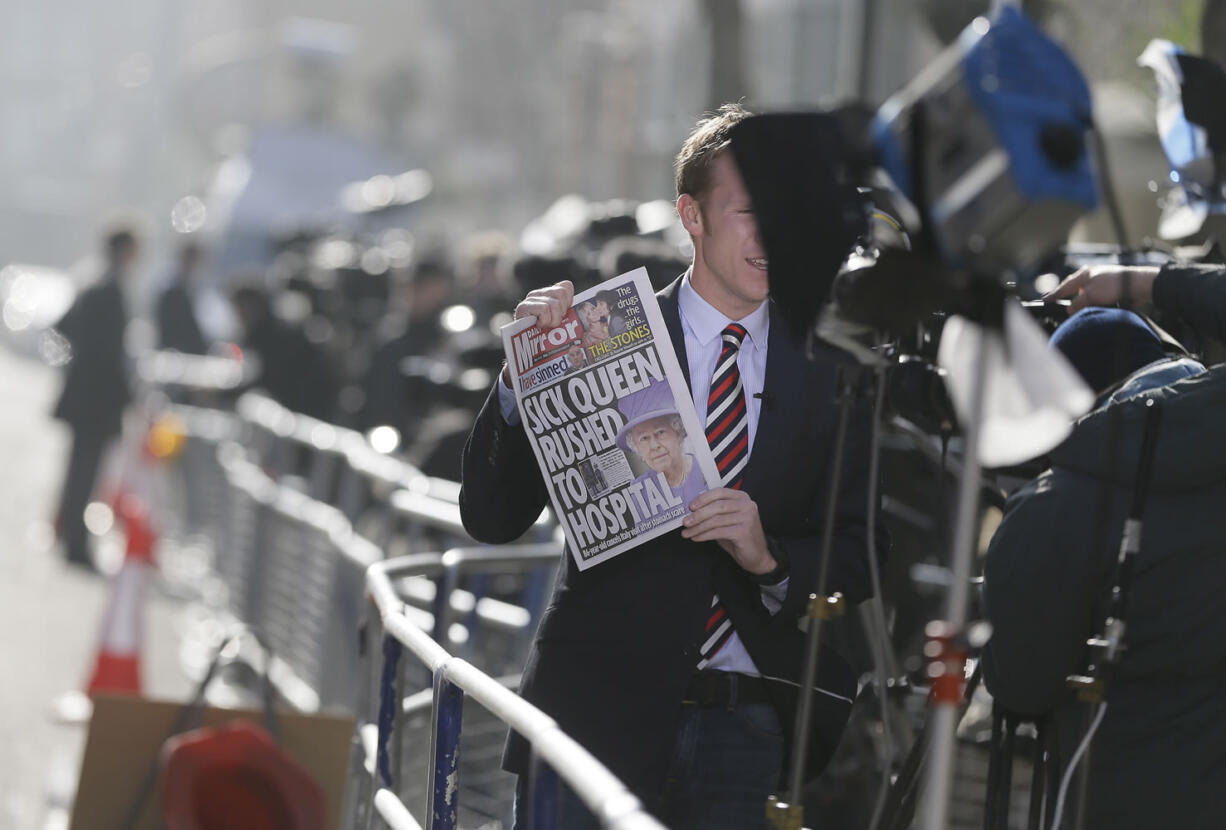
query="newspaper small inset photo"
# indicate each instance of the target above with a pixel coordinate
(602, 473)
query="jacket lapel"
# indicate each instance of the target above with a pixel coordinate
(785, 367)
(671, 312)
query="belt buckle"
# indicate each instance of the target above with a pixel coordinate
(693, 694)
(733, 681)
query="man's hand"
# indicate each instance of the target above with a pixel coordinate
(730, 517)
(1106, 285)
(548, 305)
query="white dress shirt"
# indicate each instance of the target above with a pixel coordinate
(702, 324)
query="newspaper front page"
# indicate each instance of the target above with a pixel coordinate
(610, 418)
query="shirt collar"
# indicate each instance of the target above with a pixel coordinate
(706, 322)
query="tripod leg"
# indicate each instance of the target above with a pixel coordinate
(899, 810)
(900, 803)
(990, 819)
(1004, 792)
(1038, 776)
(1054, 768)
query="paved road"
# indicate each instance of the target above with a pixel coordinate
(50, 614)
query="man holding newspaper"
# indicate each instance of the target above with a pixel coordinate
(677, 662)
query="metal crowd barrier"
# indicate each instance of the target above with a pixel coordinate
(293, 569)
(381, 495)
(292, 566)
(297, 517)
(378, 788)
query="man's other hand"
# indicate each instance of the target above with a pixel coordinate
(730, 517)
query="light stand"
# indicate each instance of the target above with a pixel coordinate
(947, 655)
(899, 808)
(788, 814)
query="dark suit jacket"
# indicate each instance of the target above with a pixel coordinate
(96, 384)
(176, 319)
(294, 371)
(616, 647)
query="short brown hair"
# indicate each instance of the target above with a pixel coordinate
(711, 136)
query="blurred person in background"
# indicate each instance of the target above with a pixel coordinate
(96, 386)
(288, 366)
(533, 271)
(412, 330)
(485, 280)
(178, 328)
(661, 259)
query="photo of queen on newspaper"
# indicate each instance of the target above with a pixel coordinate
(655, 434)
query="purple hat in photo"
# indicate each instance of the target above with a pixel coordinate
(647, 403)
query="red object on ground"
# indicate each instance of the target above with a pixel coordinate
(236, 776)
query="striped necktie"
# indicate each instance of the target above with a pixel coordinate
(728, 435)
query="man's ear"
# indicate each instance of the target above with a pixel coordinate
(691, 214)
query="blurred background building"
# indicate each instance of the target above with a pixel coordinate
(204, 114)
(149, 104)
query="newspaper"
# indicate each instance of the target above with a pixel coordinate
(610, 418)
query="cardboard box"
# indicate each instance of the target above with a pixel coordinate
(126, 735)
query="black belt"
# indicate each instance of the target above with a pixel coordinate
(725, 688)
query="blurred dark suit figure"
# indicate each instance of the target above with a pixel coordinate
(415, 332)
(292, 370)
(96, 389)
(484, 279)
(176, 314)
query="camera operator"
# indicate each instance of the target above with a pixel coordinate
(677, 663)
(1196, 293)
(1159, 753)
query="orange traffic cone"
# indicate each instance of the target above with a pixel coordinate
(137, 461)
(117, 669)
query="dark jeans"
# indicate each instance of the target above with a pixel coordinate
(83, 463)
(725, 763)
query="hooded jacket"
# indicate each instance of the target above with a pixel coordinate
(1159, 756)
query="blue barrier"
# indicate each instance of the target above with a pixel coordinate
(455, 678)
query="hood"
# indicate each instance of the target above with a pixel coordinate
(1191, 450)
